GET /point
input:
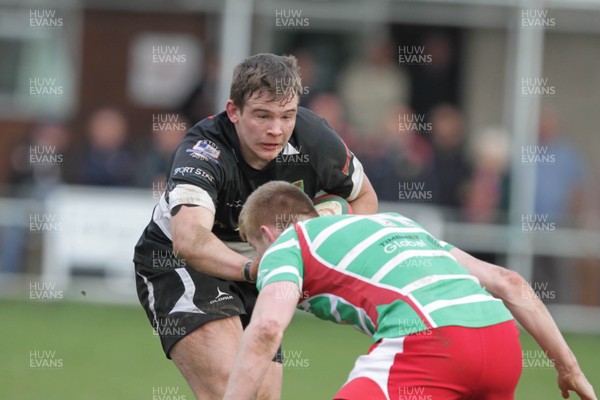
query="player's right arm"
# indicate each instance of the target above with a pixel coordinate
(197, 176)
(271, 316)
(532, 314)
(280, 280)
(194, 242)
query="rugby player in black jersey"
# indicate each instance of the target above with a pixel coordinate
(194, 273)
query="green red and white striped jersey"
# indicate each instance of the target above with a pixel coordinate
(384, 274)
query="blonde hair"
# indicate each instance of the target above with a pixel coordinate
(277, 75)
(275, 203)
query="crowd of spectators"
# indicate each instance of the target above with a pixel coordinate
(399, 120)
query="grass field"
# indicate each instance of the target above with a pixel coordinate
(79, 351)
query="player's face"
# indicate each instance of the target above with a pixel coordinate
(264, 127)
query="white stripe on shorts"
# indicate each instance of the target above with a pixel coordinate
(376, 365)
(186, 301)
(150, 288)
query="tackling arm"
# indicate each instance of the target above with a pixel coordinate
(533, 315)
(194, 242)
(272, 314)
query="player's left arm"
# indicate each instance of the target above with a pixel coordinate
(338, 168)
(366, 200)
(532, 314)
(272, 314)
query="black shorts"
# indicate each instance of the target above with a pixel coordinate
(180, 300)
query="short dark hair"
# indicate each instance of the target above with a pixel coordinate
(277, 75)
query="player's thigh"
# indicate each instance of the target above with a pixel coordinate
(503, 363)
(214, 343)
(205, 356)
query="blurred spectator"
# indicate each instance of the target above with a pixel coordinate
(450, 164)
(486, 193)
(36, 166)
(166, 136)
(561, 181)
(402, 170)
(308, 73)
(371, 84)
(38, 162)
(329, 106)
(434, 83)
(561, 194)
(372, 154)
(107, 161)
(589, 292)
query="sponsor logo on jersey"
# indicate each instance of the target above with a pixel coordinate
(221, 296)
(195, 171)
(205, 150)
(396, 242)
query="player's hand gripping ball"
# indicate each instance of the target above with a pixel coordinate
(330, 204)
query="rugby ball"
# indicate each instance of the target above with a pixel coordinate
(331, 204)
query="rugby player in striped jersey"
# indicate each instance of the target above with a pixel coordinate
(442, 321)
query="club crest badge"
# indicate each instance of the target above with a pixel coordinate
(299, 184)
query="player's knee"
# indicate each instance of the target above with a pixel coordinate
(219, 376)
(269, 330)
(209, 383)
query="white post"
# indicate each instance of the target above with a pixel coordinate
(527, 58)
(236, 36)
